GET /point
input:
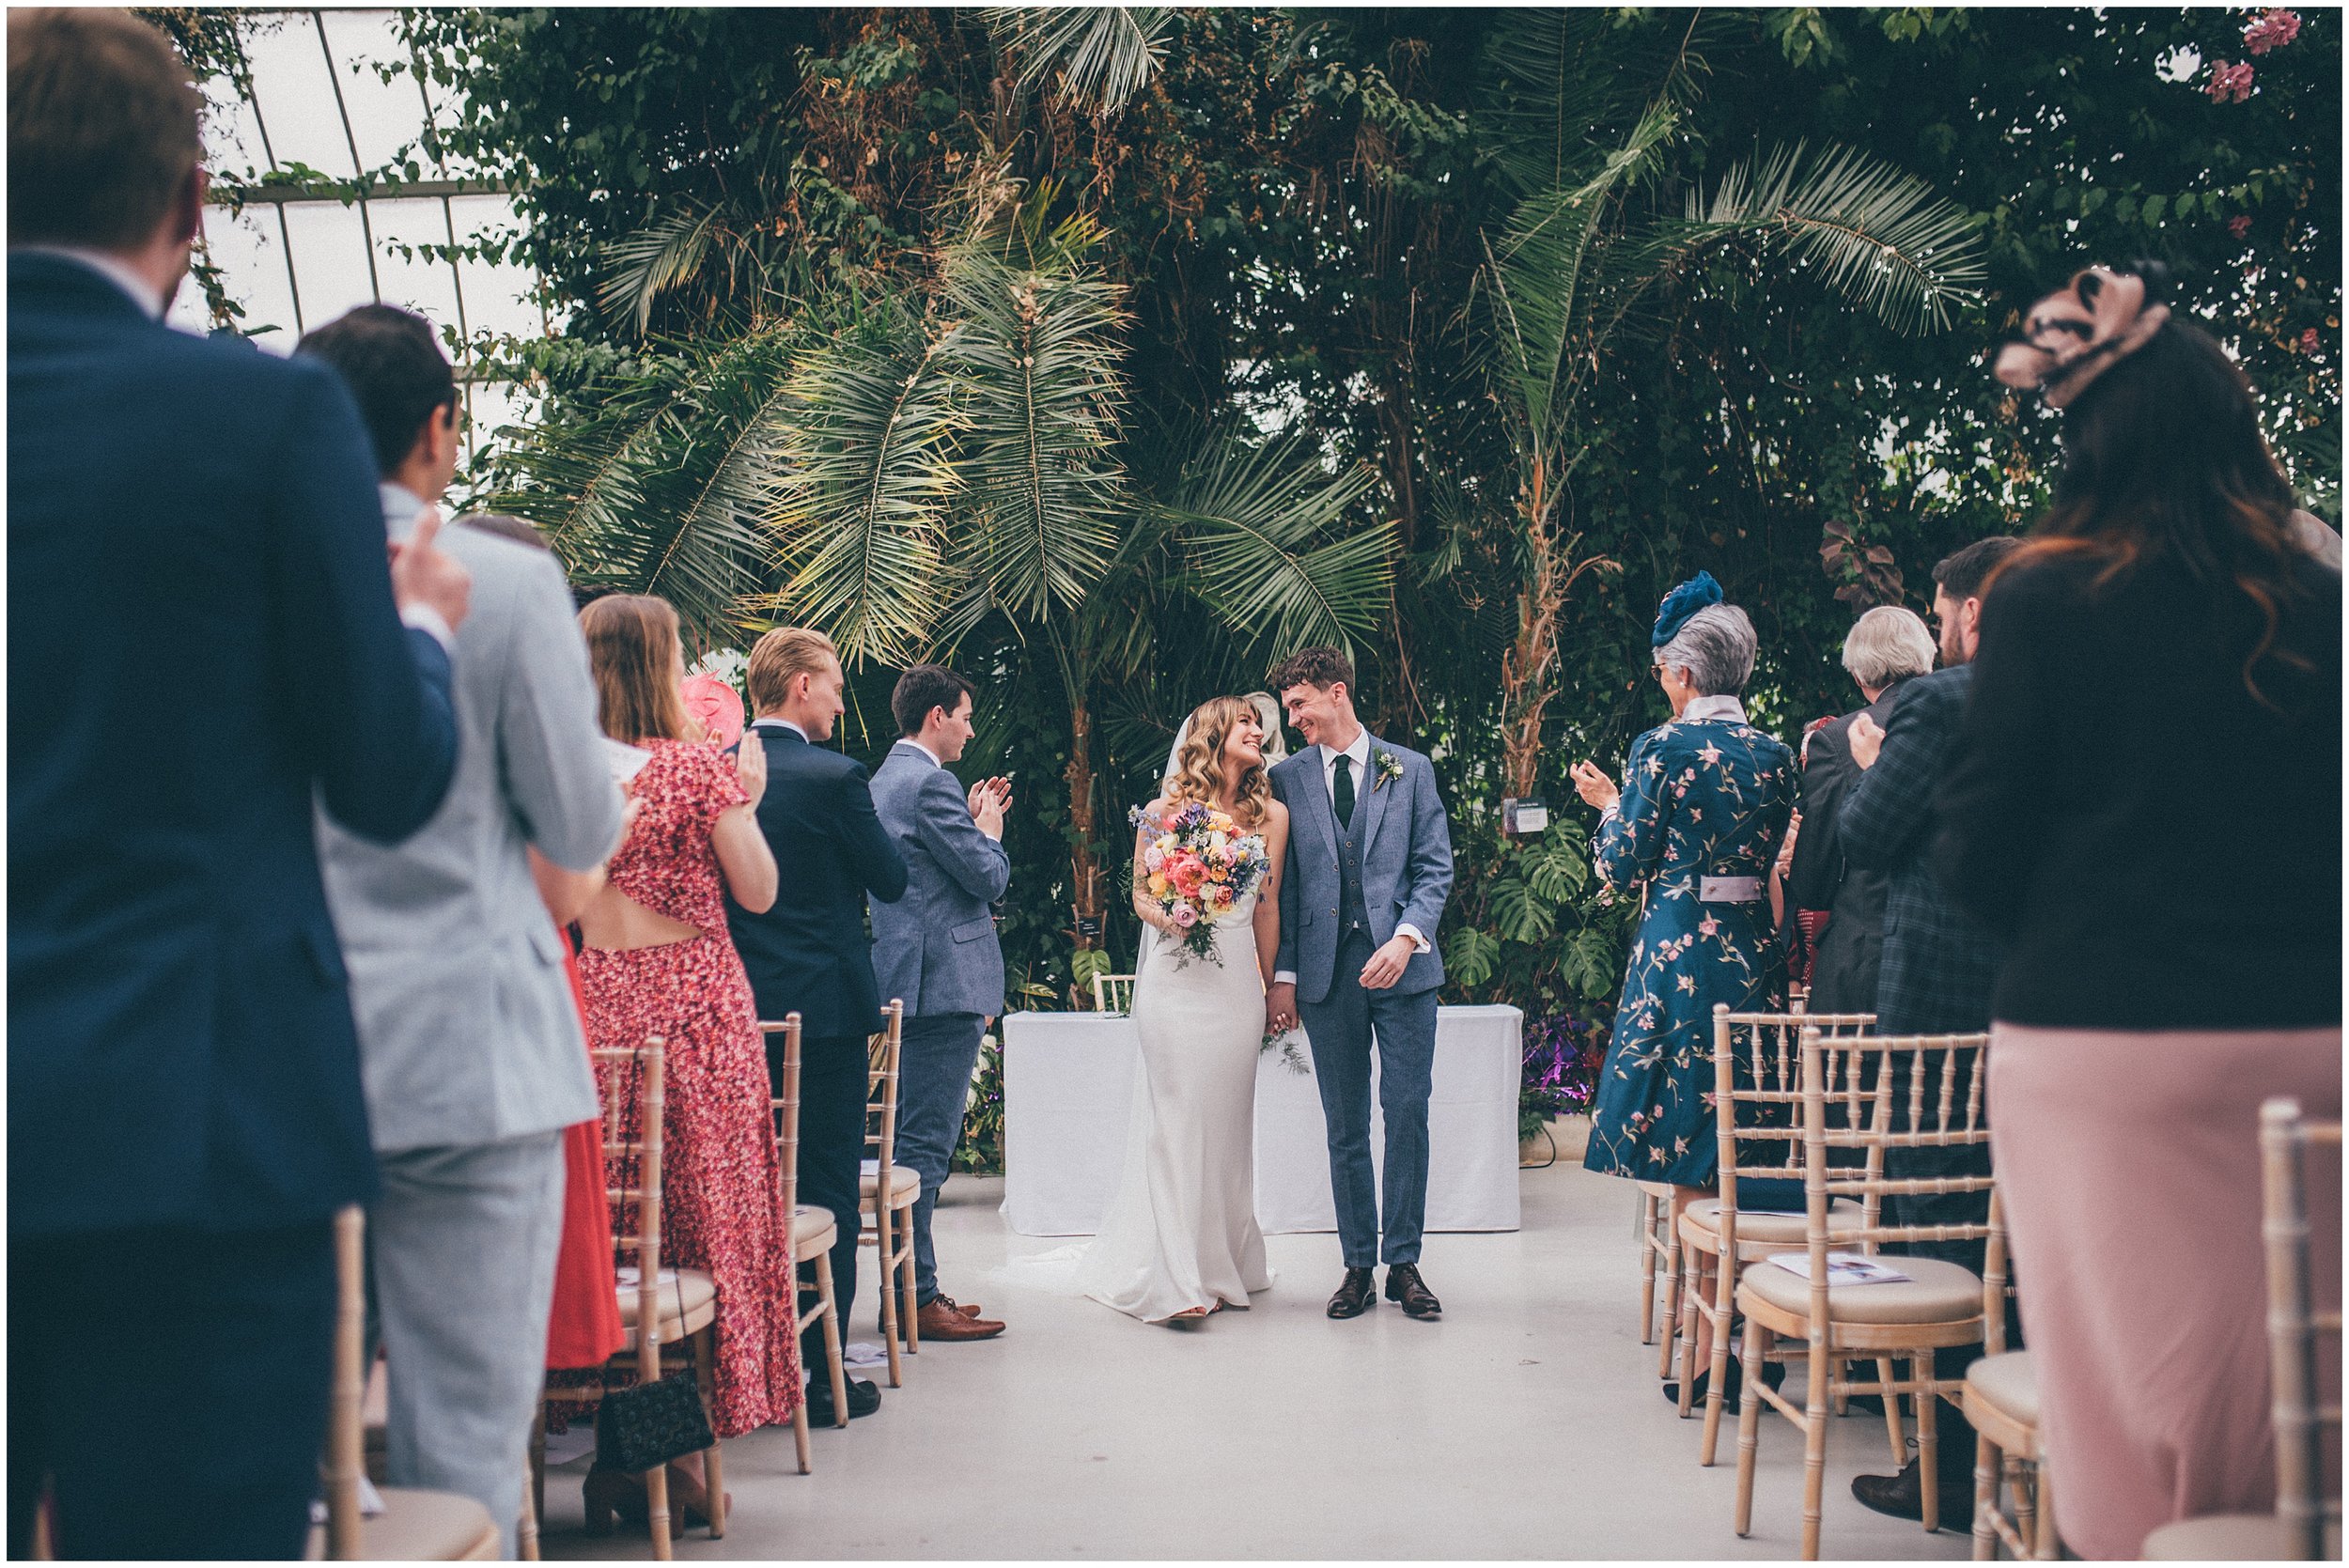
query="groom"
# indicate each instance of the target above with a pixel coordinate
(1370, 858)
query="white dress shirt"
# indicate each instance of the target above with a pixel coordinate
(909, 740)
(781, 724)
(1356, 760)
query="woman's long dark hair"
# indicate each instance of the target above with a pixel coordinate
(2164, 459)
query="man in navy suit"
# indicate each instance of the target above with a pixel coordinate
(202, 640)
(809, 954)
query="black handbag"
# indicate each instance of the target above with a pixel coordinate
(650, 1423)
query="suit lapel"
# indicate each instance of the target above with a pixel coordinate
(1374, 807)
(1317, 791)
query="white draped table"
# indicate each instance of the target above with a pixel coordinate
(1068, 1081)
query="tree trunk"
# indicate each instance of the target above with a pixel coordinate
(1529, 666)
(1084, 864)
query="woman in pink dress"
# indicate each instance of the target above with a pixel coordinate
(656, 960)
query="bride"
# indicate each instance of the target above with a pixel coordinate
(1180, 1240)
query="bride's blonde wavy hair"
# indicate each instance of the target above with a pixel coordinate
(1199, 765)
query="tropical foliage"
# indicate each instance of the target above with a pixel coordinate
(1113, 352)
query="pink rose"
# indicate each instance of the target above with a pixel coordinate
(2240, 225)
(1185, 916)
(2271, 31)
(1188, 876)
(2309, 342)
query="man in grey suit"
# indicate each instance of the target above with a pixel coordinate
(1370, 866)
(935, 949)
(1886, 646)
(469, 1040)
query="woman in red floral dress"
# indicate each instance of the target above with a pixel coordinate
(656, 960)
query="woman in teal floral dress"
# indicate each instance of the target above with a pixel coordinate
(1704, 805)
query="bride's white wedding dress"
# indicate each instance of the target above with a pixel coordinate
(1181, 1232)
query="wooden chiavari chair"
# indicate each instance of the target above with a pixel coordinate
(2306, 1525)
(890, 1191)
(681, 1312)
(427, 1527)
(1938, 1305)
(1659, 1252)
(813, 1232)
(2003, 1404)
(1112, 993)
(1757, 1099)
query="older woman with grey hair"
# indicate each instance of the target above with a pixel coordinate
(1886, 645)
(1693, 829)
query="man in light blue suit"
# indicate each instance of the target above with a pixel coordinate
(469, 1041)
(1370, 866)
(936, 950)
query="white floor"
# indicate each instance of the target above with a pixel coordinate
(1525, 1424)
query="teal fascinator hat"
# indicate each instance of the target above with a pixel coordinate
(1681, 603)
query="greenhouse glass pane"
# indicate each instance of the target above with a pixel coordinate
(384, 116)
(497, 294)
(496, 404)
(329, 255)
(232, 134)
(426, 284)
(296, 95)
(252, 258)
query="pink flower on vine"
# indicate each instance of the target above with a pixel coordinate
(2309, 342)
(2240, 225)
(2272, 30)
(2230, 83)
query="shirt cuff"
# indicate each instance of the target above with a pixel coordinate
(1285, 977)
(1410, 932)
(422, 617)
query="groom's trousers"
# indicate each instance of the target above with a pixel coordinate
(1340, 1027)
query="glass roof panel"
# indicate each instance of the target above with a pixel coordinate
(296, 94)
(330, 254)
(384, 116)
(249, 248)
(427, 284)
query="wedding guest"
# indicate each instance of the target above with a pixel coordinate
(203, 639)
(1691, 831)
(2160, 846)
(936, 950)
(658, 960)
(1888, 647)
(1934, 968)
(468, 1044)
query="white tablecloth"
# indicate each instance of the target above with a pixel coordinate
(1068, 1082)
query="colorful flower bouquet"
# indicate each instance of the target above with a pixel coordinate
(1199, 865)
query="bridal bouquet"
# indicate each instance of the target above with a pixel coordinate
(1199, 865)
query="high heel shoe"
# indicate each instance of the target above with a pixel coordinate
(689, 1499)
(613, 1495)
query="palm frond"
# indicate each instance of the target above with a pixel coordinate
(1035, 355)
(654, 259)
(1563, 83)
(861, 520)
(1874, 233)
(1107, 54)
(1262, 531)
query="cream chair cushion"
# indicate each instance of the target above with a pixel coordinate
(1843, 1217)
(1934, 1292)
(2230, 1538)
(2007, 1384)
(688, 1301)
(904, 1185)
(812, 1232)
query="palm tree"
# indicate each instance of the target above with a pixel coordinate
(1586, 243)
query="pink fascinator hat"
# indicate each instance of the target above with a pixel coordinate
(716, 704)
(2075, 334)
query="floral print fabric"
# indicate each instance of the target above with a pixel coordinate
(1704, 798)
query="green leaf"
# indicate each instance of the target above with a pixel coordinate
(1520, 914)
(1472, 956)
(1107, 54)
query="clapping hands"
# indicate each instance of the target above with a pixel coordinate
(989, 800)
(1593, 786)
(750, 766)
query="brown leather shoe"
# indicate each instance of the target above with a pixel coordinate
(940, 1319)
(967, 1309)
(1355, 1296)
(1405, 1286)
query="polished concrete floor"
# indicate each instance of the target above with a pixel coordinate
(1525, 1424)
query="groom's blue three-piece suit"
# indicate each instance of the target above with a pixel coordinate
(1349, 887)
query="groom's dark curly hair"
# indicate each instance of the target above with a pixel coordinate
(1317, 666)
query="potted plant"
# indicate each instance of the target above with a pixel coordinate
(1561, 1059)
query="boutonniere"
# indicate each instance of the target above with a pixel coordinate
(1390, 770)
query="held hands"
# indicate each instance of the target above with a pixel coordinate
(1280, 1007)
(989, 798)
(750, 766)
(1867, 740)
(1593, 786)
(425, 574)
(1386, 965)
(1786, 864)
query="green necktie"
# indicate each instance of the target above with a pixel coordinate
(1342, 796)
